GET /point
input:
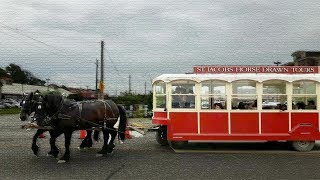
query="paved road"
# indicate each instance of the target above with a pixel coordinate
(143, 158)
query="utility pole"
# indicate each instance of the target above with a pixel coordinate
(47, 84)
(101, 77)
(129, 84)
(97, 66)
(145, 87)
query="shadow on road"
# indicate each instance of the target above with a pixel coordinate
(234, 146)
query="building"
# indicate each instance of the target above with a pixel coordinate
(306, 58)
(16, 91)
(6, 80)
(84, 94)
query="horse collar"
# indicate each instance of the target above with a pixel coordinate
(58, 111)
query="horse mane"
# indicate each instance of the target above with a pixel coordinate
(53, 100)
(51, 93)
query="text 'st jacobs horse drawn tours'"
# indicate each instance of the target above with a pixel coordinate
(64, 116)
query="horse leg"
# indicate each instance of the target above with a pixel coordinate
(53, 136)
(104, 149)
(111, 145)
(67, 136)
(35, 147)
(96, 135)
(87, 141)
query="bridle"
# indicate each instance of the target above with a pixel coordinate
(30, 103)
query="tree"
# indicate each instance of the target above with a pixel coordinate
(1, 89)
(16, 73)
(128, 99)
(3, 73)
(22, 76)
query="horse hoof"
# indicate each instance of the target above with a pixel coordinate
(35, 150)
(99, 155)
(52, 155)
(83, 148)
(61, 161)
(110, 151)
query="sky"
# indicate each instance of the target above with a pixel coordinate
(60, 40)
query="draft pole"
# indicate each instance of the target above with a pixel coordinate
(101, 77)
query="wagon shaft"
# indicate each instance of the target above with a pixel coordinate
(35, 126)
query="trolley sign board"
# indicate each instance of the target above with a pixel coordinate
(256, 69)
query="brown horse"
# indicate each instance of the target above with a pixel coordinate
(29, 105)
(67, 117)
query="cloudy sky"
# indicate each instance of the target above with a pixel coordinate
(60, 39)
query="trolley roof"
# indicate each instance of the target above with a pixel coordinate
(234, 77)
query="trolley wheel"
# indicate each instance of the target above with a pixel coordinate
(178, 144)
(303, 146)
(161, 136)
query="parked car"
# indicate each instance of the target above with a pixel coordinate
(9, 103)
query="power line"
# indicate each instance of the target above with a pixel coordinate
(114, 66)
(32, 44)
(16, 31)
(59, 36)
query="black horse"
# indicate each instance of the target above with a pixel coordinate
(67, 117)
(28, 106)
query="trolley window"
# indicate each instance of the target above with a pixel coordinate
(183, 94)
(160, 93)
(274, 95)
(213, 95)
(244, 95)
(304, 95)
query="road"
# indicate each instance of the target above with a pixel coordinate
(143, 158)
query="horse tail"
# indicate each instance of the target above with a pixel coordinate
(123, 122)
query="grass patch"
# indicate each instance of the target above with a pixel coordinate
(10, 111)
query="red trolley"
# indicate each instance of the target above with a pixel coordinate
(239, 103)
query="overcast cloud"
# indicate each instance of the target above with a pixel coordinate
(147, 38)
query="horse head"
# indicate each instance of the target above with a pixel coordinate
(47, 107)
(28, 105)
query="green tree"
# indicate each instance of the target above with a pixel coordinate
(1, 89)
(16, 73)
(128, 99)
(31, 79)
(22, 76)
(3, 73)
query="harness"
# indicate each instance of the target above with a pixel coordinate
(56, 115)
(105, 103)
(80, 119)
